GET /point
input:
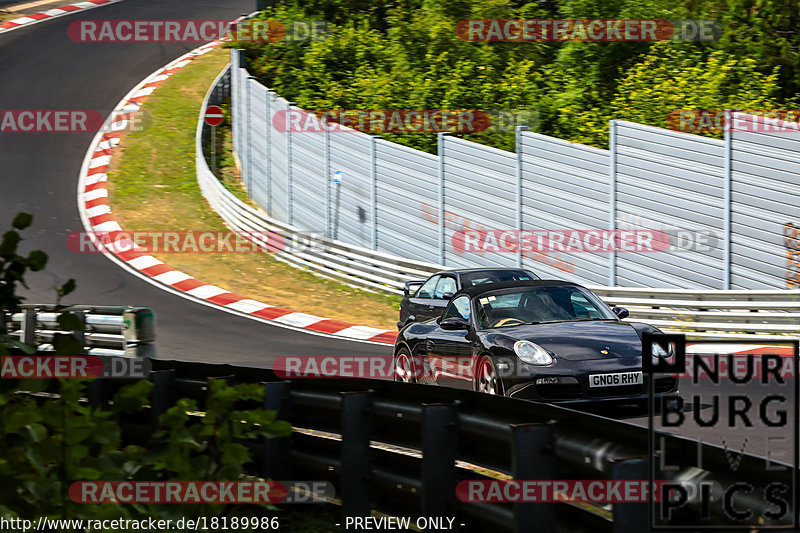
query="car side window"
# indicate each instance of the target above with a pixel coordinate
(446, 284)
(426, 291)
(458, 308)
(583, 309)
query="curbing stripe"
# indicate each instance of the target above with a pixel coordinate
(27, 20)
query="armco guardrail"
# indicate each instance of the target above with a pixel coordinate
(700, 313)
(109, 331)
(402, 448)
(352, 264)
(753, 315)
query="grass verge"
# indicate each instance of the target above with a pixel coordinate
(153, 187)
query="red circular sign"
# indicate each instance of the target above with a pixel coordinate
(214, 115)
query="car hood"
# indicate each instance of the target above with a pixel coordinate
(581, 340)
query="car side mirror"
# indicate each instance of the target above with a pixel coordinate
(411, 287)
(447, 295)
(621, 312)
(453, 323)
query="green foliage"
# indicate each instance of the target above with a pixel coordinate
(405, 54)
(47, 445)
(47, 442)
(13, 268)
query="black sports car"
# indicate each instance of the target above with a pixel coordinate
(423, 300)
(537, 340)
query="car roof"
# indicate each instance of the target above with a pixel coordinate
(485, 269)
(476, 290)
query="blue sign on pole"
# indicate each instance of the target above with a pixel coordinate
(337, 176)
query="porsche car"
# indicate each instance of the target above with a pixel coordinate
(543, 340)
(426, 299)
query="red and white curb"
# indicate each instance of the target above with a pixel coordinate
(97, 217)
(27, 20)
(724, 348)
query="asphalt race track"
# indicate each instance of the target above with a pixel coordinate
(43, 69)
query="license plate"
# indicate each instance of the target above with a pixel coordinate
(615, 379)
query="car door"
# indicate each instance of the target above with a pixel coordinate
(450, 351)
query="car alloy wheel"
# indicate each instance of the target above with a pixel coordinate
(402, 367)
(486, 378)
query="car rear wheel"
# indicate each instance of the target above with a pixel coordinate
(486, 379)
(404, 367)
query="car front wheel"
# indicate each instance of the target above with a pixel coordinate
(486, 378)
(403, 367)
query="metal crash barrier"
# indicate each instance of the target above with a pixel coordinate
(108, 331)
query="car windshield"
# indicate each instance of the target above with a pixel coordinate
(536, 305)
(469, 279)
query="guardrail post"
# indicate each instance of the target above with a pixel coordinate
(532, 457)
(356, 429)
(631, 516)
(163, 395)
(439, 452)
(81, 335)
(97, 394)
(276, 450)
(29, 327)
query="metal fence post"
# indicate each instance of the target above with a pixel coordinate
(631, 516)
(289, 184)
(276, 450)
(235, 98)
(726, 201)
(356, 429)
(520, 129)
(374, 190)
(268, 150)
(440, 152)
(612, 197)
(532, 458)
(249, 147)
(439, 452)
(328, 179)
(163, 395)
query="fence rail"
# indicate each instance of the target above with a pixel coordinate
(111, 331)
(721, 204)
(710, 314)
(401, 448)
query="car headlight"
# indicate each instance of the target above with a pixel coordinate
(531, 353)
